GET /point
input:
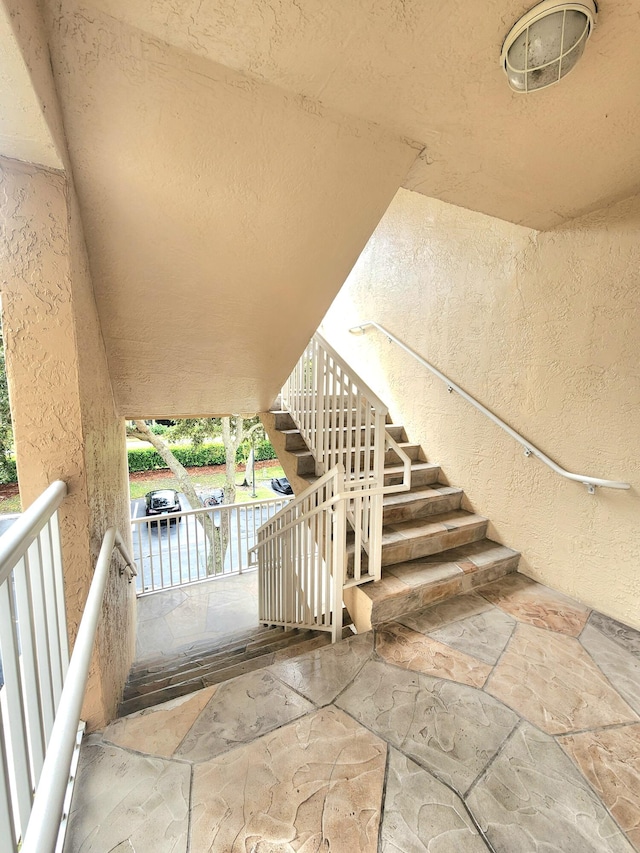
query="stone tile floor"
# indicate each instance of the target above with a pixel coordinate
(173, 619)
(504, 720)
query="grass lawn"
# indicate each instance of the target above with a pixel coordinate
(140, 484)
(12, 505)
(204, 481)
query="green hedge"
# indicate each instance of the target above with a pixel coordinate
(148, 459)
(8, 473)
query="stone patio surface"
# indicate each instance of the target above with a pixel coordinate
(505, 720)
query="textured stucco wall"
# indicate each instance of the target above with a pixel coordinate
(66, 425)
(544, 330)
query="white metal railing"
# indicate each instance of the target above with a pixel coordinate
(42, 693)
(530, 449)
(195, 545)
(301, 556)
(343, 423)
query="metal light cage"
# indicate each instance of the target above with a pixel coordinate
(546, 43)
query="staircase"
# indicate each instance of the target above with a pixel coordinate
(151, 682)
(432, 547)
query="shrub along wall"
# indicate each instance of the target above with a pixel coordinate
(148, 459)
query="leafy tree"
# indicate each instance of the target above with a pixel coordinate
(234, 430)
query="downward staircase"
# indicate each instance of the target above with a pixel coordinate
(151, 681)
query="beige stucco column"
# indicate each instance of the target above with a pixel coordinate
(65, 422)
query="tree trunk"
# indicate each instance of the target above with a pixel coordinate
(215, 556)
(249, 470)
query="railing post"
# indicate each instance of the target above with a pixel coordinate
(339, 561)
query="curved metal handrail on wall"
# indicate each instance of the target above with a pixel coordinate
(530, 449)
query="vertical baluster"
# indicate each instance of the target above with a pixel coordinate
(7, 827)
(53, 531)
(9, 649)
(45, 570)
(169, 523)
(162, 584)
(188, 521)
(238, 512)
(48, 695)
(179, 548)
(26, 622)
(332, 455)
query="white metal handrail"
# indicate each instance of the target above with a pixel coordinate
(530, 449)
(301, 558)
(343, 424)
(46, 814)
(41, 698)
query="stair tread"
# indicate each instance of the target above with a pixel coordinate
(207, 668)
(416, 465)
(204, 647)
(419, 493)
(146, 700)
(413, 584)
(431, 525)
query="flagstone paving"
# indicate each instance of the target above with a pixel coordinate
(504, 720)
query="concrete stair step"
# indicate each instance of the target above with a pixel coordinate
(395, 431)
(293, 439)
(206, 667)
(233, 667)
(422, 473)
(203, 647)
(206, 655)
(422, 537)
(413, 584)
(419, 502)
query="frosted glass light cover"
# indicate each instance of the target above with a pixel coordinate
(546, 44)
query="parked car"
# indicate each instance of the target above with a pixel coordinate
(162, 502)
(281, 485)
(213, 498)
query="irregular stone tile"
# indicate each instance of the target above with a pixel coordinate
(421, 815)
(610, 760)
(550, 680)
(161, 729)
(159, 603)
(536, 604)
(484, 636)
(622, 634)
(620, 666)
(313, 785)
(153, 639)
(241, 710)
(189, 618)
(452, 729)
(409, 649)
(123, 797)
(224, 617)
(320, 675)
(453, 609)
(416, 572)
(533, 799)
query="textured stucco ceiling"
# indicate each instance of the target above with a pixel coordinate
(221, 214)
(232, 157)
(430, 71)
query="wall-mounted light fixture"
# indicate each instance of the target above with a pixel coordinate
(545, 44)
